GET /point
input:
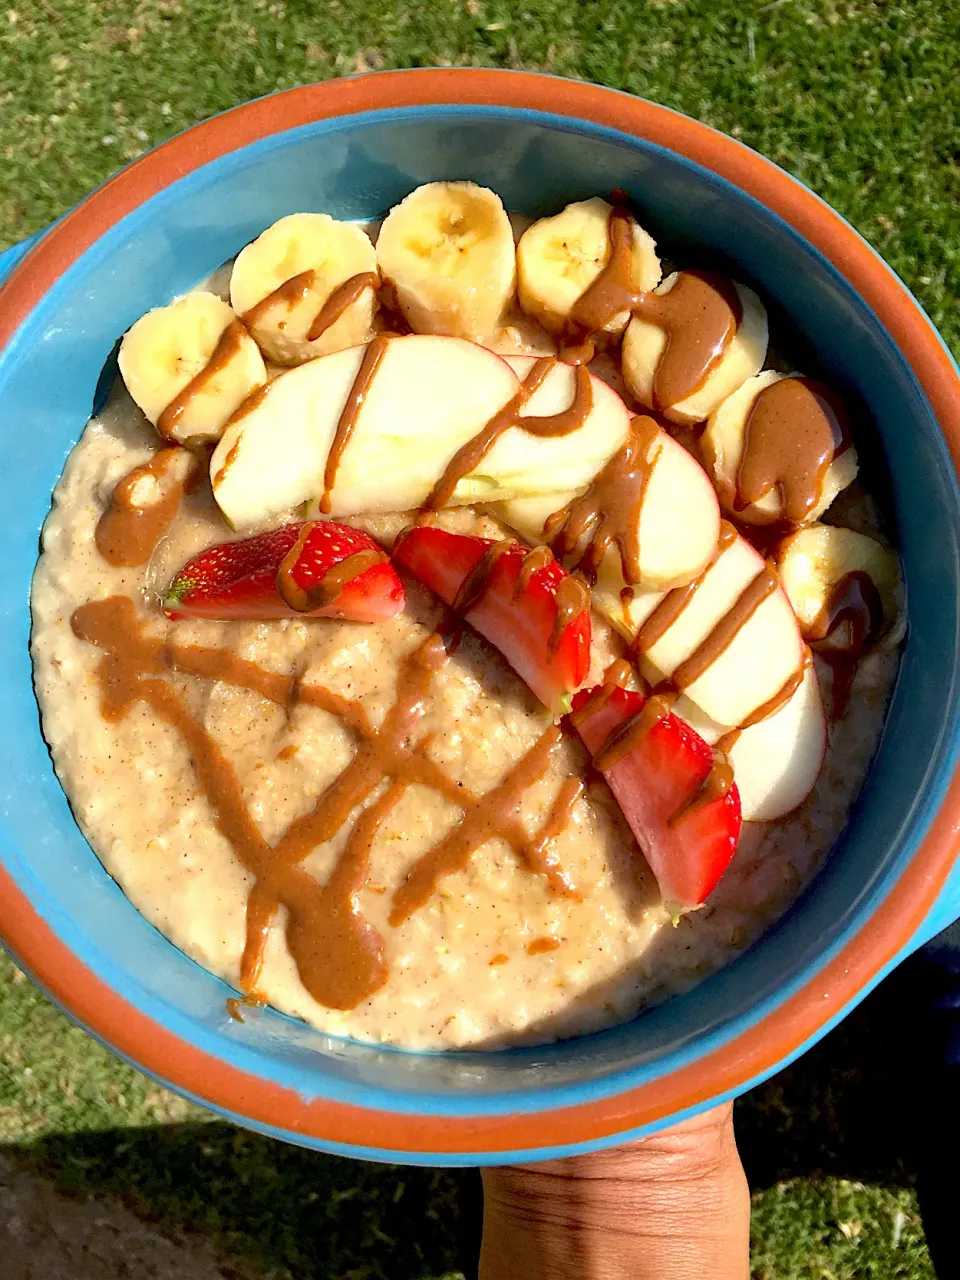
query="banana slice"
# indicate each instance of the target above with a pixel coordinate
(721, 447)
(189, 366)
(827, 571)
(283, 279)
(645, 343)
(448, 252)
(559, 258)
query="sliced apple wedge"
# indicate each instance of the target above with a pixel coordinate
(777, 761)
(428, 397)
(679, 520)
(759, 659)
(521, 463)
(679, 516)
(625, 613)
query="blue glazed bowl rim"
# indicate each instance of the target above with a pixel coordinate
(579, 1098)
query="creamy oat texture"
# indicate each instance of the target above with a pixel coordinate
(134, 793)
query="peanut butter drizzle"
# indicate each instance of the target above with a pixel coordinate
(323, 593)
(340, 957)
(626, 600)
(576, 351)
(727, 629)
(127, 534)
(537, 558)
(558, 819)
(617, 676)
(475, 584)
(115, 619)
(852, 618)
(782, 696)
(613, 291)
(540, 945)
(371, 362)
(227, 347)
(714, 785)
(289, 294)
(572, 599)
(674, 602)
(492, 816)
(728, 741)
(610, 508)
(849, 623)
(619, 673)
(470, 455)
(253, 401)
(700, 316)
(793, 432)
(622, 740)
(342, 298)
(298, 288)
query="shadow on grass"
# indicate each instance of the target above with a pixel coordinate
(283, 1209)
(841, 1110)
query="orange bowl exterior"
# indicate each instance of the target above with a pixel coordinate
(781, 1033)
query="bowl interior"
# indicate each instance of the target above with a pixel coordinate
(356, 167)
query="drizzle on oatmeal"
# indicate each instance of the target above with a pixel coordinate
(339, 955)
(143, 505)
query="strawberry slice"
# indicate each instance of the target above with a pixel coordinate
(317, 570)
(523, 602)
(688, 832)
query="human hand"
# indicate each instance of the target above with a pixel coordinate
(674, 1206)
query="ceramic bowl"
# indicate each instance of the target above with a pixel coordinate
(353, 148)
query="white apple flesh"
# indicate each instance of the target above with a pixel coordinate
(429, 396)
(522, 463)
(779, 757)
(765, 652)
(679, 517)
(777, 761)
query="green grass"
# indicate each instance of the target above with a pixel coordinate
(859, 100)
(825, 1143)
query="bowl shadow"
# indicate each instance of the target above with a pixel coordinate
(847, 1109)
